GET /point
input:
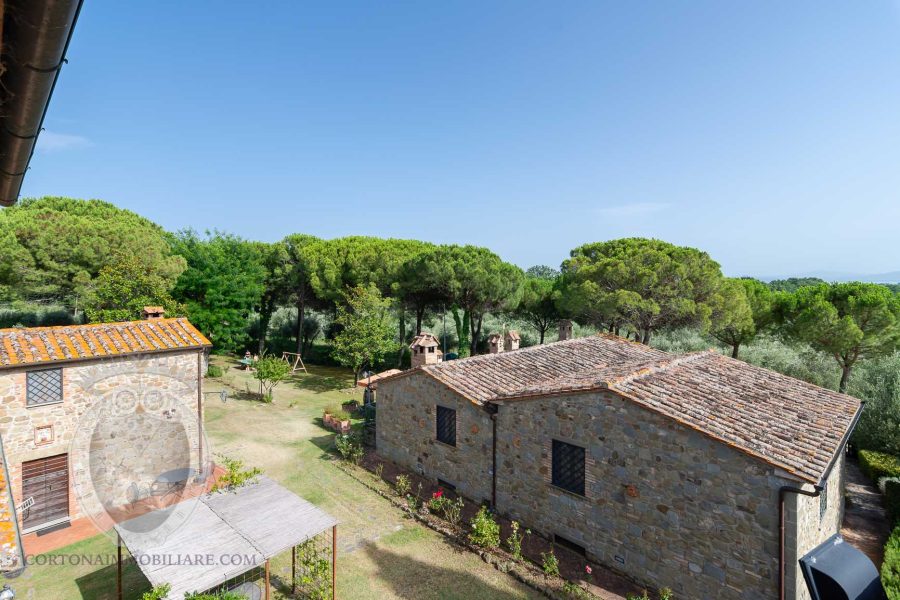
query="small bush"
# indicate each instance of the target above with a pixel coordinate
(890, 568)
(514, 541)
(235, 475)
(159, 592)
(214, 371)
(878, 464)
(453, 511)
(574, 590)
(436, 503)
(403, 485)
(890, 487)
(485, 530)
(349, 446)
(550, 564)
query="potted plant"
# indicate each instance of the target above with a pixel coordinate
(326, 417)
(343, 422)
(350, 406)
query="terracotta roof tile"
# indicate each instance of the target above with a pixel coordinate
(21, 346)
(782, 421)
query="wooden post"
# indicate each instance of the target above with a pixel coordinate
(119, 567)
(267, 579)
(293, 570)
(333, 562)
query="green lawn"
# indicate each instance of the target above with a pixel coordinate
(381, 554)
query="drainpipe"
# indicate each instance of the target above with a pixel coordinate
(782, 492)
(200, 466)
(492, 409)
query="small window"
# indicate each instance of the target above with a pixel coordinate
(823, 501)
(568, 467)
(431, 350)
(446, 425)
(569, 545)
(43, 387)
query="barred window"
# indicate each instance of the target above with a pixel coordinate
(568, 467)
(43, 387)
(446, 425)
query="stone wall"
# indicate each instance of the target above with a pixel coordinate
(406, 433)
(140, 411)
(806, 526)
(664, 504)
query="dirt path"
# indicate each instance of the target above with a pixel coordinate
(865, 520)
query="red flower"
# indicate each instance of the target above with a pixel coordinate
(438, 493)
(587, 569)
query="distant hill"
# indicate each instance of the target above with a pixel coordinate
(891, 277)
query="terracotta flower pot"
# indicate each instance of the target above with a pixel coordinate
(345, 426)
(327, 418)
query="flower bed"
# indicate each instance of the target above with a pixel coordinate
(578, 578)
(337, 421)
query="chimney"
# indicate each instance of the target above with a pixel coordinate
(495, 343)
(565, 330)
(425, 350)
(153, 312)
(511, 340)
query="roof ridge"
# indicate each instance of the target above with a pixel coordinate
(659, 366)
(86, 325)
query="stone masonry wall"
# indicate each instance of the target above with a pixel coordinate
(806, 527)
(406, 433)
(111, 408)
(664, 504)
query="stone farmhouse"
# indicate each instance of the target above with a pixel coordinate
(697, 472)
(132, 391)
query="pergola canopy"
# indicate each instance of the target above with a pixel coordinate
(255, 522)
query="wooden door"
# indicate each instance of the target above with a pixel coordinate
(46, 480)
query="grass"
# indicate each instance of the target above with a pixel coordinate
(381, 554)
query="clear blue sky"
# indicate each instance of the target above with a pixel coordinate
(767, 133)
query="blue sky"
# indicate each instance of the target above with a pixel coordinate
(765, 133)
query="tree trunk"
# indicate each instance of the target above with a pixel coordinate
(611, 327)
(476, 333)
(734, 350)
(402, 337)
(646, 338)
(543, 330)
(420, 316)
(845, 377)
(301, 314)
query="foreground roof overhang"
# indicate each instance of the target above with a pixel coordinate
(35, 37)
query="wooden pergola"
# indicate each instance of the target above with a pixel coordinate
(255, 522)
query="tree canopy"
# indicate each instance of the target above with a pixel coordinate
(644, 283)
(123, 288)
(538, 304)
(223, 283)
(847, 321)
(742, 308)
(366, 334)
(55, 247)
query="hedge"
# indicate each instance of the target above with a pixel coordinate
(890, 569)
(892, 499)
(878, 464)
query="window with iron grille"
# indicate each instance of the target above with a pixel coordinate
(446, 425)
(568, 467)
(43, 387)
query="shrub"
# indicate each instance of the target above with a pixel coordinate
(349, 446)
(235, 475)
(214, 371)
(485, 530)
(159, 592)
(270, 371)
(453, 511)
(878, 464)
(890, 487)
(550, 564)
(436, 503)
(890, 568)
(575, 591)
(514, 541)
(403, 485)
